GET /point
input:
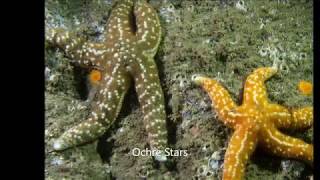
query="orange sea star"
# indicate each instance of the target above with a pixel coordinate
(256, 122)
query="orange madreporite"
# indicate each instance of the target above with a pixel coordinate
(256, 123)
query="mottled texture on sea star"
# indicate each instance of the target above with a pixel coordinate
(133, 34)
(256, 122)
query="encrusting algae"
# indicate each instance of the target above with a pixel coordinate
(204, 37)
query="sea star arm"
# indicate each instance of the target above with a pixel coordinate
(221, 99)
(302, 117)
(282, 145)
(255, 91)
(148, 27)
(150, 95)
(83, 53)
(102, 114)
(297, 118)
(120, 24)
(241, 146)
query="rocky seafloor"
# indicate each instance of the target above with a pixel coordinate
(222, 39)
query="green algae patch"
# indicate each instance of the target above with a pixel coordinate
(219, 39)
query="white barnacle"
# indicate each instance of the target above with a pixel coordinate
(240, 5)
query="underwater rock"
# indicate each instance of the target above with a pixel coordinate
(188, 47)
